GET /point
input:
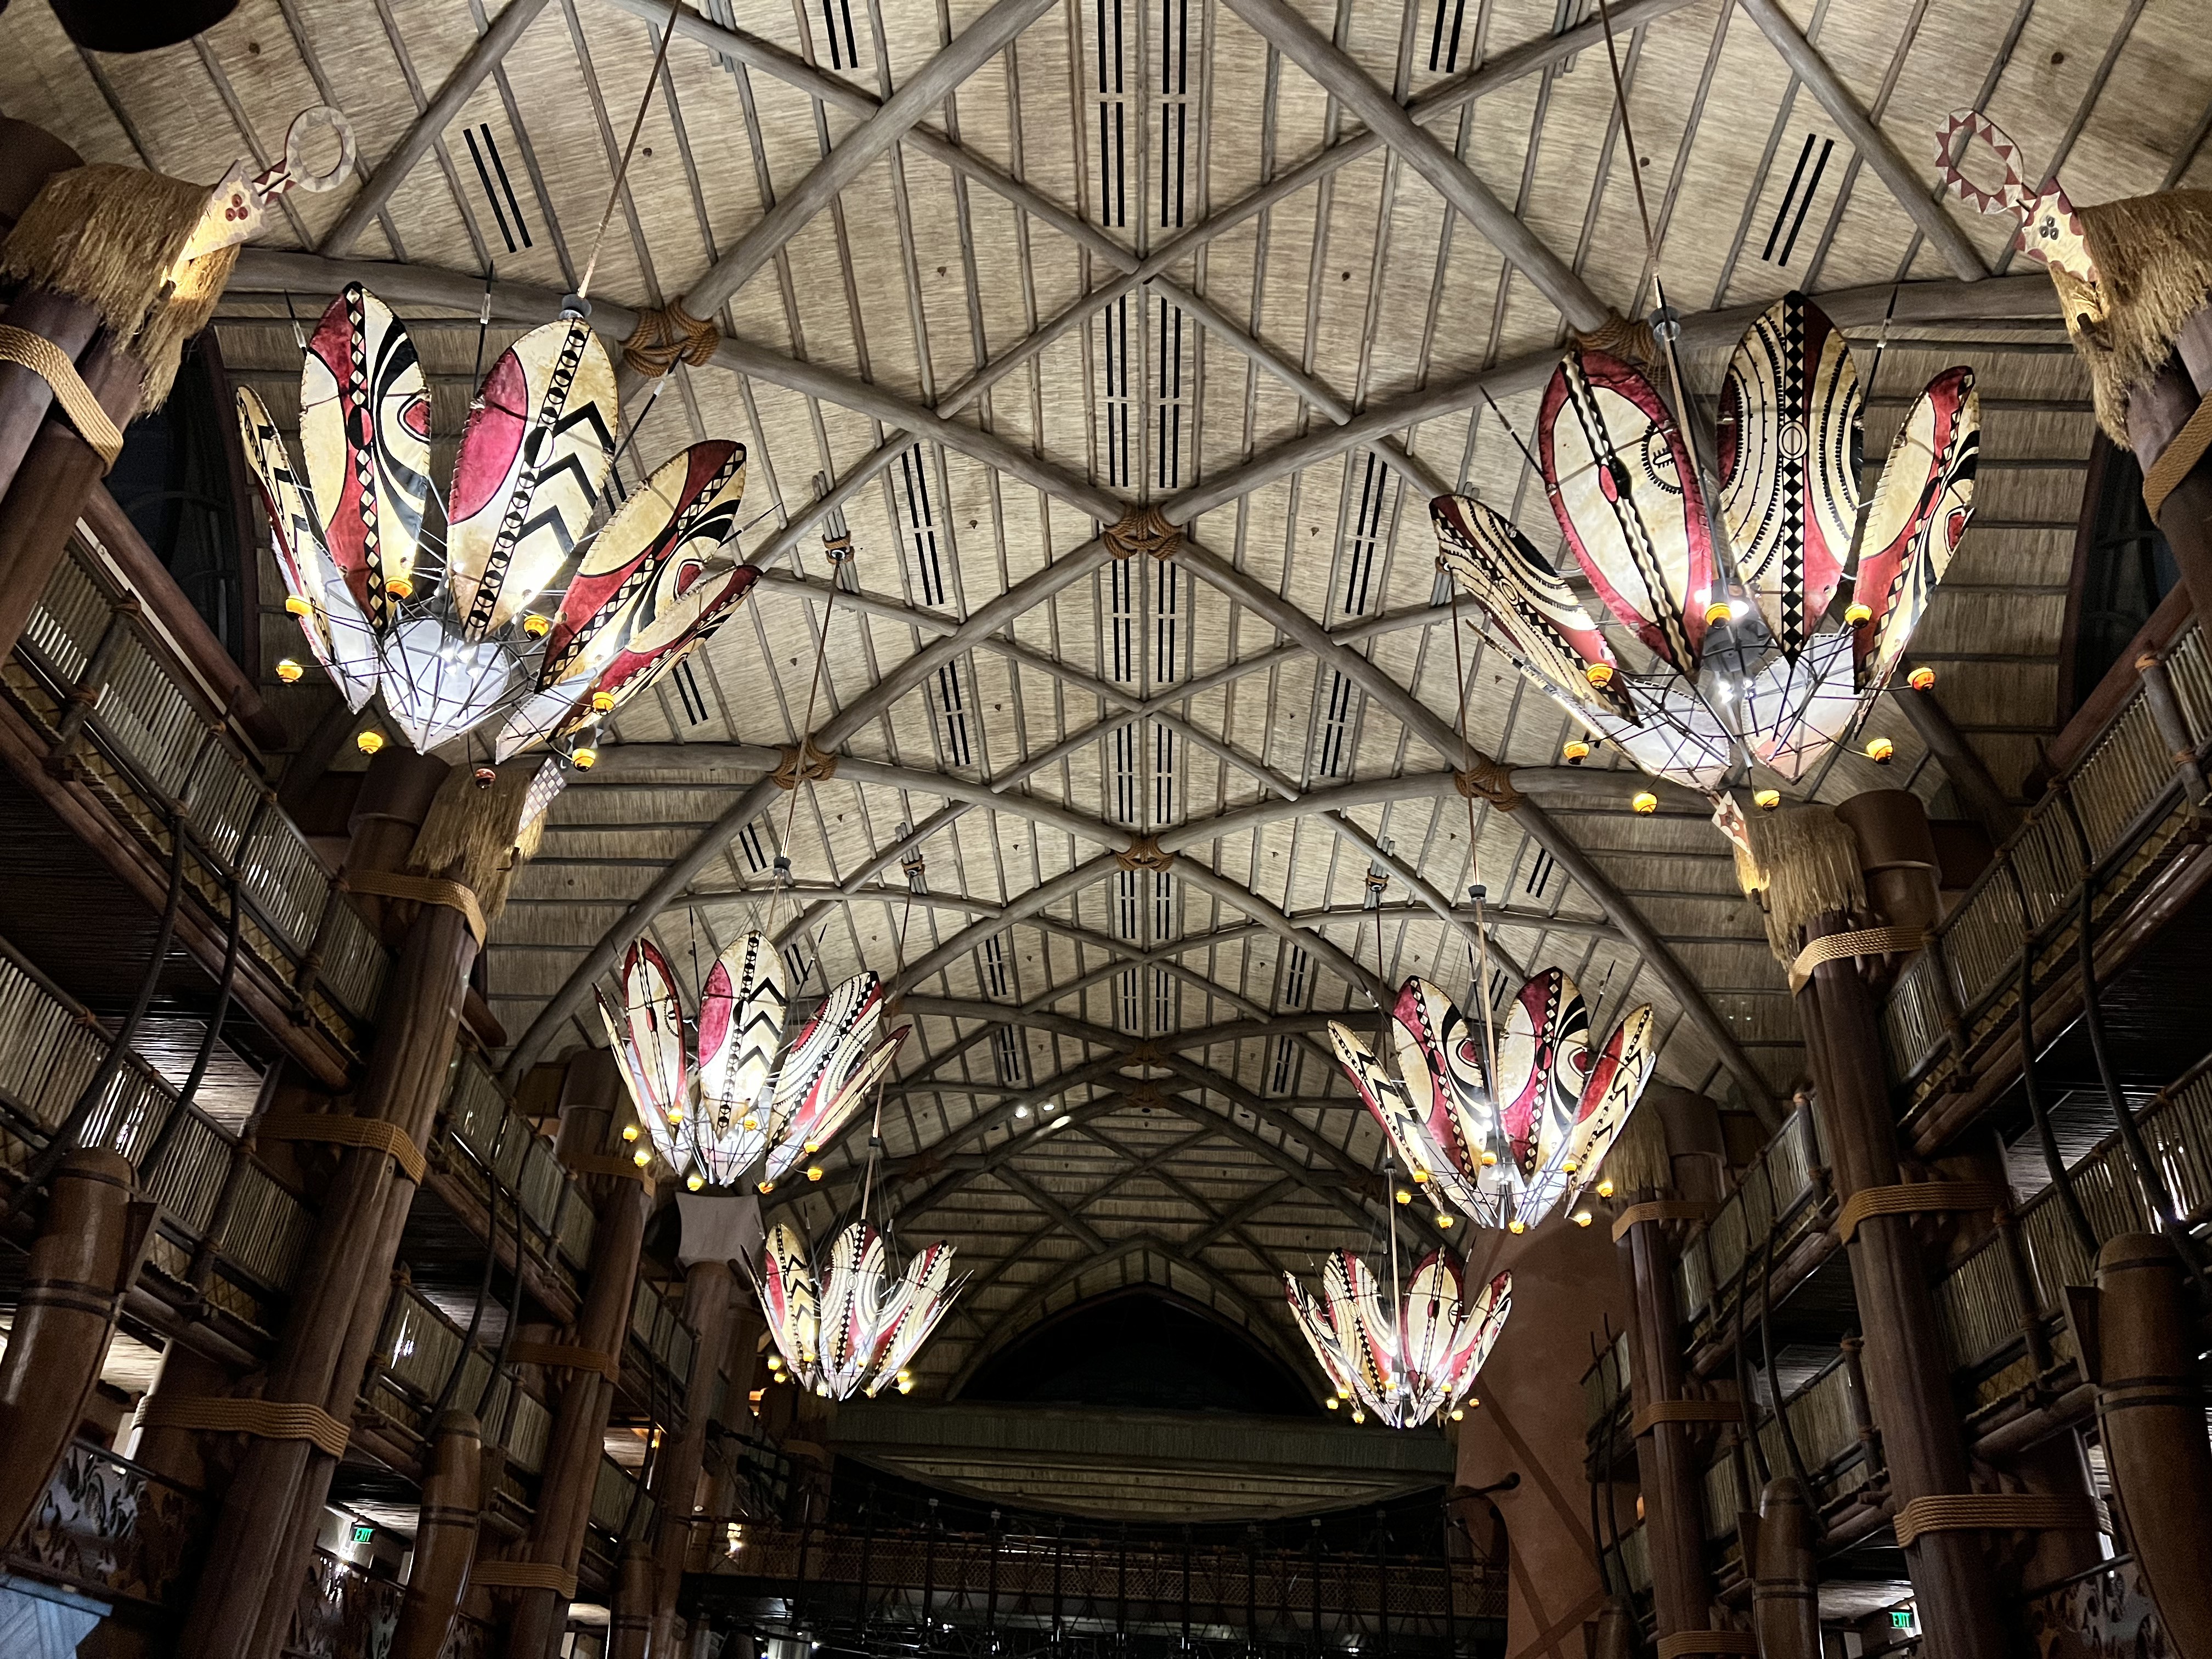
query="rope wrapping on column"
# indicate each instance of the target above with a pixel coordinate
(422, 890)
(52, 364)
(1992, 1512)
(1662, 1209)
(1865, 942)
(622, 1168)
(1707, 1641)
(2177, 459)
(567, 1357)
(265, 1420)
(1918, 1198)
(338, 1129)
(524, 1575)
(1686, 1411)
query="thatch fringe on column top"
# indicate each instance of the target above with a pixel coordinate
(2153, 256)
(110, 237)
(473, 834)
(1640, 1159)
(1803, 861)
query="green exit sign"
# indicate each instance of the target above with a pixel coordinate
(363, 1533)
(1900, 1618)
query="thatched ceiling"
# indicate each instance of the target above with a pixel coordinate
(1092, 254)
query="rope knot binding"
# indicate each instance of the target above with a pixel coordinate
(666, 337)
(803, 763)
(1144, 530)
(1487, 780)
(1143, 854)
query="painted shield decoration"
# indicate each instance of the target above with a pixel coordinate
(527, 478)
(1621, 484)
(1921, 509)
(365, 430)
(685, 511)
(1525, 598)
(1790, 442)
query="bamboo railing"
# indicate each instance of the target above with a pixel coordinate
(133, 725)
(230, 1228)
(2115, 818)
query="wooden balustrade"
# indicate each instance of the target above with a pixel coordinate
(118, 714)
(2125, 797)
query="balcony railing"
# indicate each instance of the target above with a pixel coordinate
(111, 1529)
(1018, 1577)
(2114, 818)
(1984, 1298)
(416, 1354)
(486, 1141)
(345, 1613)
(116, 707)
(229, 1229)
(1777, 1190)
(660, 1331)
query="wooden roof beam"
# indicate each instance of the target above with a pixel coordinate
(491, 47)
(1285, 28)
(1904, 182)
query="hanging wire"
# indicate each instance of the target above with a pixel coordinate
(614, 191)
(1479, 952)
(876, 1124)
(806, 742)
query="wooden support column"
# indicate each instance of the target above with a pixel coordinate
(56, 478)
(93, 1236)
(1668, 1472)
(718, 1496)
(709, 1288)
(1907, 1370)
(445, 1538)
(266, 1527)
(2150, 1407)
(2156, 411)
(572, 1451)
(1785, 1591)
(631, 1628)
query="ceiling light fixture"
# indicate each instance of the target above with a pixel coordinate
(1725, 587)
(442, 621)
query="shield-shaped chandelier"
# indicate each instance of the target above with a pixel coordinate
(504, 603)
(729, 1109)
(1505, 1158)
(715, 1120)
(851, 1328)
(1769, 628)
(1413, 1362)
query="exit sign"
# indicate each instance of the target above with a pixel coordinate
(363, 1533)
(1900, 1618)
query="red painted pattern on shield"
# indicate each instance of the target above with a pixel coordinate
(493, 437)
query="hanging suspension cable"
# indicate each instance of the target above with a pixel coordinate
(1478, 952)
(622, 171)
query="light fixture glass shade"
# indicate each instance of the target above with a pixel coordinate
(1408, 1362)
(514, 607)
(1730, 607)
(851, 1328)
(735, 1108)
(1507, 1157)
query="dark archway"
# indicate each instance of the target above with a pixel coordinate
(1140, 1349)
